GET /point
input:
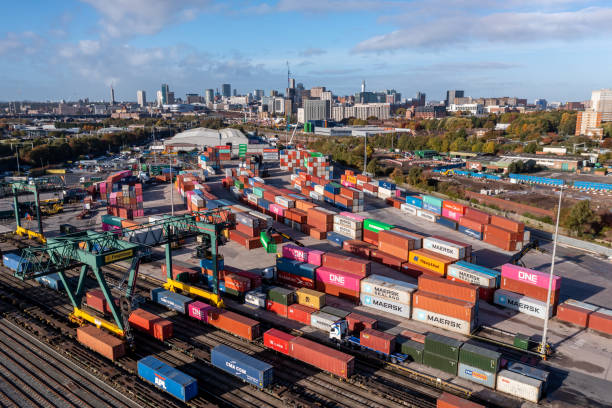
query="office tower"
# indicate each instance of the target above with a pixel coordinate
(315, 92)
(209, 96)
(315, 109)
(226, 90)
(601, 102)
(160, 99)
(420, 98)
(451, 95)
(165, 89)
(291, 83)
(363, 86)
(141, 96)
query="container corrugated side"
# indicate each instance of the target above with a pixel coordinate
(476, 375)
(443, 345)
(388, 288)
(440, 362)
(243, 366)
(323, 321)
(386, 305)
(480, 357)
(519, 385)
(521, 303)
(167, 378)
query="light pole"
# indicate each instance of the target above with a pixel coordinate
(365, 152)
(171, 190)
(550, 277)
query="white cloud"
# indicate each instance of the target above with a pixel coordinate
(129, 17)
(20, 44)
(503, 27)
(310, 52)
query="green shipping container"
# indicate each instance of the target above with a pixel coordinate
(112, 220)
(448, 365)
(334, 311)
(411, 348)
(232, 292)
(479, 357)
(281, 295)
(521, 341)
(431, 200)
(239, 184)
(443, 346)
(376, 226)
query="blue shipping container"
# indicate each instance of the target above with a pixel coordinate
(12, 261)
(265, 204)
(171, 300)
(242, 366)
(52, 281)
(416, 201)
(287, 265)
(208, 263)
(336, 238)
(447, 223)
(386, 184)
(167, 378)
(470, 232)
(330, 188)
(432, 208)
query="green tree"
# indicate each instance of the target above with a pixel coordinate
(489, 147)
(567, 126)
(531, 148)
(477, 147)
(581, 218)
(372, 166)
(398, 176)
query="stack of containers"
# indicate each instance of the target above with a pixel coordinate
(149, 323)
(124, 196)
(394, 247)
(430, 262)
(371, 188)
(472, 223)
(308, 302)
(225, 152)
(479, 364)
(270, 155)
(386, 189)
(586, 315)
(209, 159)
(318, 165)
(321, 221)
(295, 273)
(412, 205)
(526, 290)
(504, 233)
(340, 276)
(248, 228)
(387, 295)
(279, 300)
(349, 225)
(452, 210)
(371, 228)
(442, 352)
(446, 304)
(453, 249)
(486, 281)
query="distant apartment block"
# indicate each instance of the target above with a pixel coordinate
(316, 110)
(588, 123)
(317, 91)
(472, 108)
(141, 96)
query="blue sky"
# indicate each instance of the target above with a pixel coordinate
(69, 49)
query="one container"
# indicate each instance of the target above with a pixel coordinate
(476, 375)
(519, 385)
(234, 323)
(386, 305)
(530, 276)
(277, 340)
(480, 357)
(532, 291)
(310, 298)
(167, 378)
(322, 357)
(378, 341)
(300, 313)
(243, 366)
(101, 342)
(440, 362)
(521, 303)
(339, 278)
(323, 321)
(411, 348)
(388, 288)
(356, 322)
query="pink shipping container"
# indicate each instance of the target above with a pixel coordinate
(277, 209)
(338, 278)
(530, 276)
(199, 310)
(352, 216)
(303, 254)
(398, 193)
(451, 214)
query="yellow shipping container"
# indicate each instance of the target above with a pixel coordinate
(310, 298)
(429, 261)
(351, 179)
(56, 171)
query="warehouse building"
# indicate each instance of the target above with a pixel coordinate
(201, 137)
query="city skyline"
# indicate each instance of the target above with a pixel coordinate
(79, 48)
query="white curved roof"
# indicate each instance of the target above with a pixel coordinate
(209, 137)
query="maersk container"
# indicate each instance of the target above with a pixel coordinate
(448, 365)
(243, 366)
(482, 269)
(476, 375)
(521, 303)
(471, 276)
(479, 357)
(442, 345)
(519, 385)
(323, 321)
(171, 300)
(386, 305)
(444, 322)
(167, 378)
(388, 288)
(411, 348)
(444, 248)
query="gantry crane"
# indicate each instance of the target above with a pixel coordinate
(92, 250)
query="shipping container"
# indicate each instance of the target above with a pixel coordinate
(357, 322)
(322, 357)
(300, 313)
(480, 357)
(167, 378)
(530, 371)
(444, 305)
(471, 276)
(476, 215)
(310, 298)
(519, 385)
(443, 345)
(440, 362)
(295, 280)
(338, 278)
(386, 259)
(323, 321)
(277, 308)
(171, 300)
(448, 288)
(530, 276)
(430, 260)
(163, 329)
(388, 288)
(281, 295)
(411, 348)
(601, 320)
(445, 248)
(521, 303)
(95, 299)
(447, 400)
(529, 290)
(277, 340)
(348, 264)
(575, 312)
(234, 323)
(476, 375)
(386, 305)
(243, 366)
(142, 320)
(482, 269)
(378, 341)
(101, 342)
(52, 281)
(255, 298)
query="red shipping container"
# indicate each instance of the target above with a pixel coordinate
(337, 291)
(357, 322)
(162, 329)
(322, 357)
(502, 243)
(507, 224)
(178, 269)
(484, 294)
(386, 259)
(277, 308)
(498, 232)
(142, 320)
(246, 230)
(447, 400)
(348, 264)
(371, 237)
(573, 314)
(529, 290)
(449, 288)
(377, 340)
(295, 280)
(601, 322)
(453, 206)
(446, 306)
(471, 224)
(414, 336)
(101, 342)
(277, 340)
(394, 243)
(234, 323)
(96, 300)
(318, 233)
(300, 313)
(359, 248)
(476, 215)
(236, 282)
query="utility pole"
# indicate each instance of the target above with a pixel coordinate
(365, 152)
(550, 277)
(171, 190)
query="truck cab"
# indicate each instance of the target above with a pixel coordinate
(338, 332)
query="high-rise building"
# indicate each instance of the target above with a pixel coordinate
(165, 90)
(541, 104)
(315, 109)
(226, 90)
(315, 92)
(258, 93)
(234, 92)
(193, 98)
(112, 101)
(209, 95)
(160, 99)
(326, 96)
(588, 124)
(601, 102)
(273, 92)
(420, 99)
(363, 86)
(142, 98)
(170, 99)
(291, 83)
(451, 95)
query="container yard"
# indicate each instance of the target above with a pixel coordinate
(225, 286)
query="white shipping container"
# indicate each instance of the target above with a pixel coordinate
(320, 189)
(519, 385)
(348, 222)
(426, 215)
(385, 305)
(471, 276)
(521, 303)
(388, 288)
(385, 193)
(442, 321)
(254, 298)
(252, 198)
(323, 321)
(285, 202)
(444, 248)
(347, 232)
(325, 210)
(410, 209)
(315, 196)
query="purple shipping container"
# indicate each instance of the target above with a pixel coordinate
(530, 276)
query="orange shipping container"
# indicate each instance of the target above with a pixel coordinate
(456, 290)
(101, 342)
(443, 305)
(471, 224)
(498, 233)
(480, 216)
(453, 206)
(163, 329)
(507, 224)
(142, 320)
